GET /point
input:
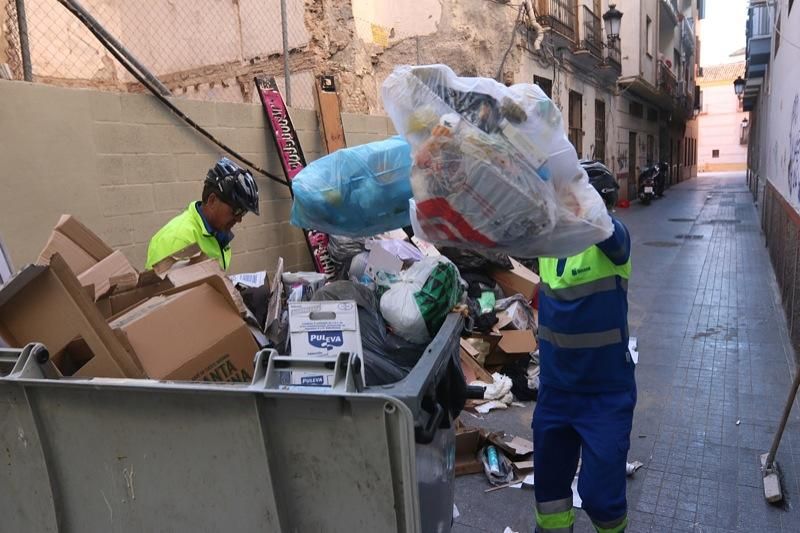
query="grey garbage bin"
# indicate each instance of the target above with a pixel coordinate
(127, 455)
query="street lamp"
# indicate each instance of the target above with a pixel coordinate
(738, 85)
(612, 20)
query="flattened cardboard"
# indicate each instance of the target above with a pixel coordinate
(513, 345)
(473, 371)
(183, 257)
(113, 270)
(190, 333)
(80, 248)
(514, 342)
(6, 267)
(518, 280)
(275, 307)
(181, 276)
(48, 305)
(121, 299)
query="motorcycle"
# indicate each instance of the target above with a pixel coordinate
(661, 178)
(647, 184)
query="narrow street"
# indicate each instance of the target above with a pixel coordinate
(714, 370)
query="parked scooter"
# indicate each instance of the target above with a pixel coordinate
(647, 184)
(661, 178)
(602, 179)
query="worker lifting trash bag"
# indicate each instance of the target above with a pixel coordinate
(492, 167)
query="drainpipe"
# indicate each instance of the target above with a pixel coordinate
(537, 44)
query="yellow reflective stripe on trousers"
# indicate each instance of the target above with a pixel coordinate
(555, 516)
(615, 526)
(579, 341)
(583, 290)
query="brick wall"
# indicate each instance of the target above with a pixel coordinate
(124, 165)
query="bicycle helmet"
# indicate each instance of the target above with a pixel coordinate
(234, 185)
(602, 180)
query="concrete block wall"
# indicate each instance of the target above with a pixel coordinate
(124, 165)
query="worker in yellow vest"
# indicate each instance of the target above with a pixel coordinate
(229, 193)
(587, 389)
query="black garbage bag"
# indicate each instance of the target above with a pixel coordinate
(341, 251)
(387, 357)
(469, 261)
(518, 372)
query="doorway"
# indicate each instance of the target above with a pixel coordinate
(632, 165)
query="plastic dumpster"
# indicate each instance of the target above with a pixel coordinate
(123, 455)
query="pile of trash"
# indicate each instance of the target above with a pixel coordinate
(187, 320)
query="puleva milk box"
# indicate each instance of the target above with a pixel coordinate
(321, 329)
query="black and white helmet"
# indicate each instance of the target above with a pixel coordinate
(235, 185)
(602, 180)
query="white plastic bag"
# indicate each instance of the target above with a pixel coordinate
(418, 299)
(493, 169)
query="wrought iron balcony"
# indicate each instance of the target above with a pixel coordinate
(592, 34)
(666, 80)
(560, 16)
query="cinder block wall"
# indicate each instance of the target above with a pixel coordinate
(124, 165)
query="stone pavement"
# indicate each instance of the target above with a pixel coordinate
(714, 370)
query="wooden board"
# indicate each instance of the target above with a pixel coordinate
(473, 370)
(329, 113)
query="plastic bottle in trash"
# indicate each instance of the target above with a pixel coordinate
(494, 461)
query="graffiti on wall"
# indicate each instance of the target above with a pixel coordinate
(793, 173)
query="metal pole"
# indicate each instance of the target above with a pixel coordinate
(24, 45)
(287, 77)
(87, 19)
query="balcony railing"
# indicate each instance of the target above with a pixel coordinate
(592, 38)
(671, 7)
(666, 79)
(614, 53)
(558, 15)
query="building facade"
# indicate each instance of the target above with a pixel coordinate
(657, 89)
(772, 96)
(723, 123)
(626, 101)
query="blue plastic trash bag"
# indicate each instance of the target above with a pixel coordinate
(356, 192)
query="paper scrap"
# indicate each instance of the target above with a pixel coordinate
(529, 481)
(509, 530)
(633, 349)
(488, 406)
(521, 446)
(577, 502)
(251, 279)
(456, 514)
(630, 468)
(523, 465)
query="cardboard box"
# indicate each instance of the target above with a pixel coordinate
(112, 271)
(80, 248)
(468, 443)
(121, 299)
(48, 305)
(183, 275)
(321, 329)
(518, 280)
(190, 333)
(513, 345)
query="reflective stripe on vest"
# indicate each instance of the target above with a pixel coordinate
(583, 290)
(578, 341)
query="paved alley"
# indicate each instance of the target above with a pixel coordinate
(714, 370)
